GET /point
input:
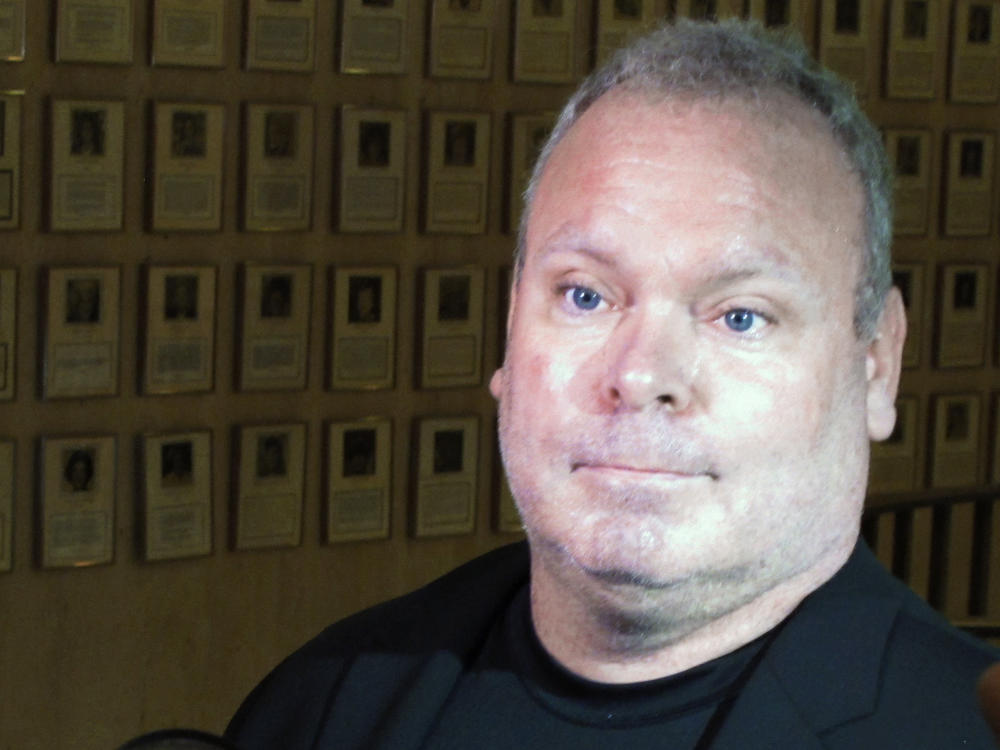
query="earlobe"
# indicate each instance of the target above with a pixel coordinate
(883, 362)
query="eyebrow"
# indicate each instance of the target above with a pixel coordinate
(737, 265)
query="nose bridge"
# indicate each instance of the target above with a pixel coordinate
(654, 358)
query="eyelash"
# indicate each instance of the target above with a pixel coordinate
(566, 292)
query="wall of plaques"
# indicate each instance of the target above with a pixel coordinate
(253, 269)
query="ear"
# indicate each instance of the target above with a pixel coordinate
(883, 362)
(497, 380)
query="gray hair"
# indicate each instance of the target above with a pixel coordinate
(738, 59)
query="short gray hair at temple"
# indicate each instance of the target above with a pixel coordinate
(698, 61)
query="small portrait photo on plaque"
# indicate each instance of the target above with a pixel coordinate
(180, 296)
(446, 481)
(908, 156)
(372, 178)
(452, 341)
(278, 175)
(980, 24)
(275, 327)
(373, 143)
(627, 10)
(87, 175)
(956, 440)
(364, 304)
(908, 278)
(177, 495)
(188, 134)
(472, 6)
(363, 351)
(458, 172)
(83, 300)
(915, 19)
(358, 480)
(546, 8)
(276, 295)
(961, 339)
(8, 331)
(847, 16)
(971, 158)
(77, 501)
(179, 346)
(460, 143)
(87, 131)
(280, 132)
(271, 481)
(82, 332)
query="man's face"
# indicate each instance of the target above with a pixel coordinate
(683, 403)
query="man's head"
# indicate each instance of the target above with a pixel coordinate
(692, 61)
(686, 403)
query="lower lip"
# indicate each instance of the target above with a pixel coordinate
(618, 472)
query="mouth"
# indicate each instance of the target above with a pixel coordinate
(628, 471)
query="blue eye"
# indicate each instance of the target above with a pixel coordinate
(584, 298)
(740, 320)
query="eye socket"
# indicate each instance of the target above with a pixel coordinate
(584, 298)
(740, 320)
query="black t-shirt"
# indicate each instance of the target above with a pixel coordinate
(516, 695)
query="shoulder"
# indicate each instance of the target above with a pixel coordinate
(380, 647)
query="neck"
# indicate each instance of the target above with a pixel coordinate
(612, 633)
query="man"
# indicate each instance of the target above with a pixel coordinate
(702, 339)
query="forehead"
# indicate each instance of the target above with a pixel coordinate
(771, 161)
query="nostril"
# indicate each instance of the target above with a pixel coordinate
(665, 398)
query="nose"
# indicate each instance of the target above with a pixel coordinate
(652, 363)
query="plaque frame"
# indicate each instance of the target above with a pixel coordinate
(10, 159)
(962, 303)
(176, 480)
(179, 317)
(457, 28)
(975, 53)
(968, 200)
(909, 279)
(86, 496)
(439, 469)
(844, 43)
(275, 309)
(617, 22)
(270, 474)
(173, 24)
(912, 49)
(363, 324)
(82, 322)
(8, 333)
(910, 152)
(12, 47)
(371, 190)
(544, 41)
(452, 316)
(281, 35)
(279, 148)
(88, 165)
(358, 472)
(526, 141)
(955, 442)
(894, 460)
(373, 37)
(116, 46)
(458, 156)
(8, 488)
(187, 160)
